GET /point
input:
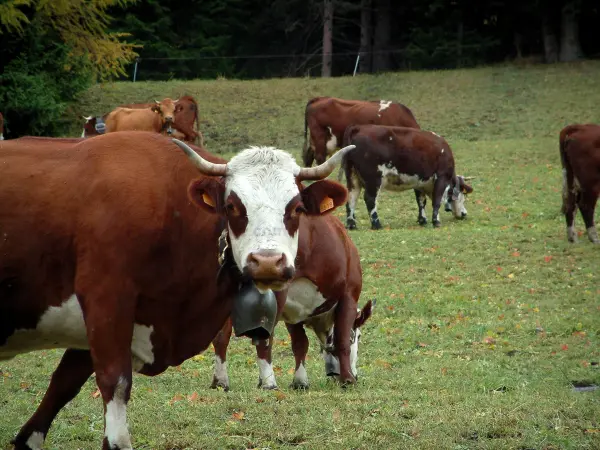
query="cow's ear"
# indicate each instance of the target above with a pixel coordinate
(323, 196)
(208, 193)
(155, 108)
(466, 189)
(364, 314)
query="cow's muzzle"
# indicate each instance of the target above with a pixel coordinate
(268, 270)
(254, 313)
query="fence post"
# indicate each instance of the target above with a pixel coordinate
(356, 65)
(135, 69)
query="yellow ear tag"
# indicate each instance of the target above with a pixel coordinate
(326, 204)
(207, 199)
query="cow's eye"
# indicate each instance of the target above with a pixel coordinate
(231, 208)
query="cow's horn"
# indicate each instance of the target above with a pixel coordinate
(204, 166)
(322, 171)
(88, 118)
(157, 102)
(468, 178)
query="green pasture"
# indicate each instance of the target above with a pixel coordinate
(481, 328)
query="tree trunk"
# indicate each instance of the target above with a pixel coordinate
(518, 41)
(381, 57)
(366, 37)
(549, 39)
(459, 43)
(570, 49)
(327, 37)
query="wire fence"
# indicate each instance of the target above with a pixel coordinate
(302, 64)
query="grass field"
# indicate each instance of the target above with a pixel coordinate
(481, 327)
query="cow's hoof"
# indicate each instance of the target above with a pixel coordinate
(376, 226)
(347, 380)
(267, 386)
(571, 235)
(216, 384)
(299, 385)
(448, 208)
(422, 221)
(437, 224)
(351, 225)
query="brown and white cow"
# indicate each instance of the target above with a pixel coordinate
(158, 119)
(110, 249)
(580, 158)
(327, 119)
(185, 119)
(323, 296)
(401, 158)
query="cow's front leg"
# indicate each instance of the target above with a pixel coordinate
(438, 193)
(421, 202)
(587, 205)
(74, 369)
(266, 376)
(345, 315)
(371, 194)
(220, 343)
(300, 349)
(109, 323)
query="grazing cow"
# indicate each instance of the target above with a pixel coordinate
(185, 119)
(1, 127)
(327, 118)
(323, 296)
(110, 249)
(157, 119)
(580, 158)
(401, 158)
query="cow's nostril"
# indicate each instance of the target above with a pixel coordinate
(463, 215)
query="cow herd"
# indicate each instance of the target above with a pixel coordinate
(134, 249)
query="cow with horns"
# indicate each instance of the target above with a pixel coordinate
(401, 158)
(580, 158)
(126, 274)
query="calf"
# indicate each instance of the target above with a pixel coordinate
(323, 294)
(157, 119)
(580, 158)
(401, 158)
(184, 120)
(327, 118)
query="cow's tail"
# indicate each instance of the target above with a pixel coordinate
(346, 165)
(566, 165)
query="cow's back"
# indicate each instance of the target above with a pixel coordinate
(114, 204)
(580, 152)
(129, 119)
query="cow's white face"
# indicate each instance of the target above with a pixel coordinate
(263, 205)
(458, 198)
(261, 196)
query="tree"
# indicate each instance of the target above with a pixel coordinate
(570, 49)
(366, 36)
(381, 44)
(80, 24)
(327, 37)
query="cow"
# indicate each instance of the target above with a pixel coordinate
(324, 291)
(158, 119)
(1, 127)
(579, 146)
(327, 118)
(110, 249)
(185, 118)
(401, 158)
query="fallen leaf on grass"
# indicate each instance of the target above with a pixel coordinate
(176, 398)
(279, 396)
(548, 258)
(238, 415)
(96, 393)
(336, 415)
(193, 397)
(564, 347)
